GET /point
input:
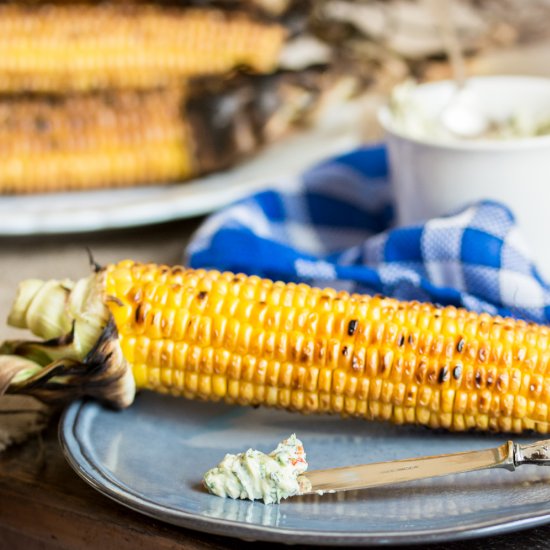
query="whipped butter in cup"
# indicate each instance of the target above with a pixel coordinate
(436, 173)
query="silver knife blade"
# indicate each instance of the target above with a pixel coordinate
(397, 471)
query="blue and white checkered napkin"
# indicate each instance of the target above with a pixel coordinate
(332, 226)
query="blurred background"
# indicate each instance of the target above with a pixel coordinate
(118, 115)
(121, 93)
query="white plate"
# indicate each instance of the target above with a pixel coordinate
(98, 210)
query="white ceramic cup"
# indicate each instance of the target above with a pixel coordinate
(433, 178)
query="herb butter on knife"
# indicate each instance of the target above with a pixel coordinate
(254, 475)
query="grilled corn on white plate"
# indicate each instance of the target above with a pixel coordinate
(151, 457)
(86, 211)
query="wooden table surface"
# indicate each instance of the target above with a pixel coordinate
(43, 503)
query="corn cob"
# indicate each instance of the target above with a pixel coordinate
(54, 48)
(124, 138)
(250, 341)
(92, 141)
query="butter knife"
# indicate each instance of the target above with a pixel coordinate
(508, 456)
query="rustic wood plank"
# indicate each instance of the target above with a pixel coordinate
(15, 540)
(46, 503)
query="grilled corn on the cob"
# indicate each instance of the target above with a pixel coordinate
(92, 141)
(251, 341)
(124, 138)
(54, 48)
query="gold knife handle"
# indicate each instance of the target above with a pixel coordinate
(534, 453)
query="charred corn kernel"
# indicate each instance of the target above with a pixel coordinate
(324, 402)
(311, 402)
(54, 48)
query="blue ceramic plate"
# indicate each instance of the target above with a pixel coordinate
(151, 457)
